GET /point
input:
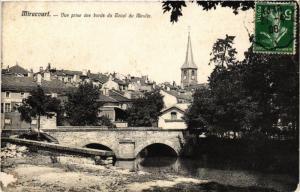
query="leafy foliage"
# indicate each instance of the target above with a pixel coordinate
(248, 96)
(200, 114)
(176, 6)
(145, 111)
(105, 121)
(39, 104)
(223, 52)
(82, 106)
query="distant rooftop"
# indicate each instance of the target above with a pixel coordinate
(16, 69)
(27, 84)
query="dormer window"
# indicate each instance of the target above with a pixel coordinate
(7, 94)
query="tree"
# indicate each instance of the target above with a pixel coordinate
(104, 120)
(82, 107)
(38, 104)
(223, 52)
(273, 81)
(175, 7)
(224, 106)
(145, 111)
(248, 96)
(200, 115)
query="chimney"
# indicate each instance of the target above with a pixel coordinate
(30, 73)
(84, 72)
(48, 66)
(39, 79)
(47, 76)
(41, 69)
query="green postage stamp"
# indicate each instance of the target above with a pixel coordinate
(275, 27)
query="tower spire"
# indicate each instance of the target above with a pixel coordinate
(189, 59)
(189, 68)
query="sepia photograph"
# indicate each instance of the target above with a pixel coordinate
(149, 96)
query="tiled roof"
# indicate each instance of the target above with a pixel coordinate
(66, 72)
(120, 82)
(16, 69)
(183, 96)
(113, 97)
(27, 84)
(93, 76)
(197, 86)
(173, 107)
(118, 97)
(55, 86)
(103, 78)
(98, 77)
(142, 81)
(3, 71)
(106, 99)
(14, 83)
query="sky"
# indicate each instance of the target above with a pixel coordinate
(137, 46)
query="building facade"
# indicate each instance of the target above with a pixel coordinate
(15, 88)
(172, 118)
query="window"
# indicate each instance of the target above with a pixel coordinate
(7, 121)
(7, 94)
(2, 108)
(185, 74)
(7, 107)
(22, 94)
(193, 72)
(33, 122)
(173, 115)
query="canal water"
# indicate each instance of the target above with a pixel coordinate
(225, 173)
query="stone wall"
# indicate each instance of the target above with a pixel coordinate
(126, 143)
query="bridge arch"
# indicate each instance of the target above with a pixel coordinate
(146, 144)
(100, 146)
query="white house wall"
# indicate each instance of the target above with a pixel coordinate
(169, 100)
(162, 123)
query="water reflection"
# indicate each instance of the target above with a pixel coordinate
(200, 168)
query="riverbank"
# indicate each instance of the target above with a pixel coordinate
(41, 172)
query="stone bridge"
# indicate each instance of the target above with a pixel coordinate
(126, 143)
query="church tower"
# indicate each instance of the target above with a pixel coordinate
(189, 68)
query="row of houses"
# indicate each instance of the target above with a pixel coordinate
(117, 93)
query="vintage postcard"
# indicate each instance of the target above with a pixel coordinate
(148, 96)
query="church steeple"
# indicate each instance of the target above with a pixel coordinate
(189, 68)
(189, 59)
